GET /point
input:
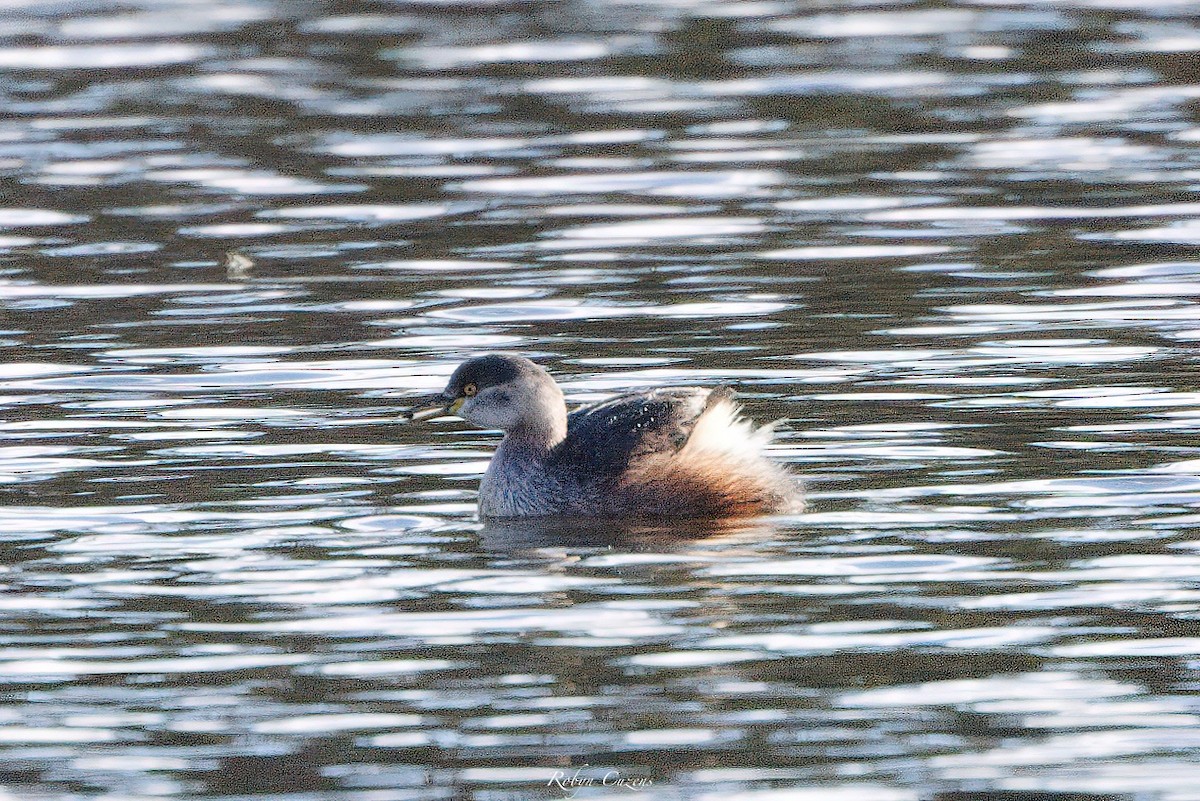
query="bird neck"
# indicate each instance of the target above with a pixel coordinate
(542, 430)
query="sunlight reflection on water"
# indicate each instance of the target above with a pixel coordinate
(947, 246)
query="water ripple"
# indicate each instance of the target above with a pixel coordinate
(945, 246)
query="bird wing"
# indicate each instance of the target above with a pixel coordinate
(605, 439)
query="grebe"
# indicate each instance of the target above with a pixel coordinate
(664, 453)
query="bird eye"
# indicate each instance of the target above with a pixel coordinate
(469, 390)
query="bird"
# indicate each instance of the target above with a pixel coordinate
(666, 453)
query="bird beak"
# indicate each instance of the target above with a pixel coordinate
(434, 406)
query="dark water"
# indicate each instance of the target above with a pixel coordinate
(952, 244)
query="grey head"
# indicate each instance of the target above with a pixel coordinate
(510, 393)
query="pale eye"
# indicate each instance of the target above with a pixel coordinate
(470, 390)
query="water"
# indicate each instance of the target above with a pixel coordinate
(951, 245)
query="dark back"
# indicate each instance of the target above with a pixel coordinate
(603, 440)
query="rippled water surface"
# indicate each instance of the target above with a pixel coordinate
(951, 244)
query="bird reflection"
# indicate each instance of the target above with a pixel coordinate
(509, 534)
